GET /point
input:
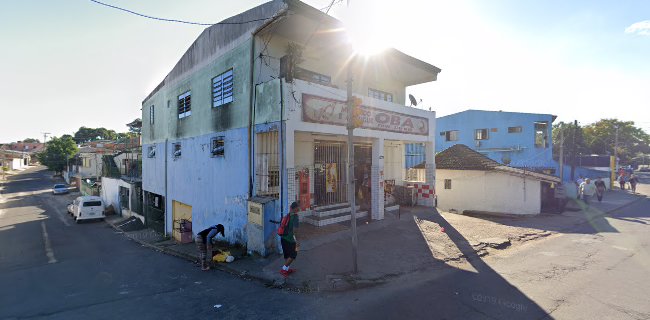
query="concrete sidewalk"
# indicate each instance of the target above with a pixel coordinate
(420, 239)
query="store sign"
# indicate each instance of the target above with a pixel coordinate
(329, 111)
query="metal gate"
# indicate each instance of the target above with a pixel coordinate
(329, 173)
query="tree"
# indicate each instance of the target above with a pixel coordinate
(135, 126)
(574, 142)
(632, 141)
(57, 152)
(85, 134)
(31, 140)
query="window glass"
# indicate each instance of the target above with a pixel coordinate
(92, 204)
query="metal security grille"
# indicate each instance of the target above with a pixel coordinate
(329, 173)
(267, 168)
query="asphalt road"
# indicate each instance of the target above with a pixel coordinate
(52, 268)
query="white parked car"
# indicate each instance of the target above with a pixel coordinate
(60, 188)
(87, 207)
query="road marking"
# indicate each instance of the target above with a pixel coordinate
(621, 248)
(48, 247)
(61, 216)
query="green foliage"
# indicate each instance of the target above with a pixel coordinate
(632, 141)
(5, 169)
(31, 140)
(574, 141)
(135, 126)
(599, 138)
(85, 134)
(57, 152)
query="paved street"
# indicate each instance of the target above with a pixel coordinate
(52, 268)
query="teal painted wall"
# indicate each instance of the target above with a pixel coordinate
(204, 118)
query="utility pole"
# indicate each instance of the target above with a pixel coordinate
(561, 152)
(45, 134)
(616, 147)
(573, 150)
(350, 173)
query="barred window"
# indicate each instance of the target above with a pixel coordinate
(185, 105)
(151, 114)
(222, 89)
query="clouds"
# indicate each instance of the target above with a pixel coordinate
(641, 28)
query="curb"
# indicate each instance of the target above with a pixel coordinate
(271, 283)
(604, 213)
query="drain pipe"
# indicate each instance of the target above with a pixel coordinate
(166, 198)
(252, 99)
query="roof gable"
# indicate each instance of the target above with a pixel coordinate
(461, 157)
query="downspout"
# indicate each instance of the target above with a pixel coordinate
(283, 168)
(166, 209)
(251, 117)
(252, 97)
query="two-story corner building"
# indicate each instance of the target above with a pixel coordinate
(520, 140)
(258, 108)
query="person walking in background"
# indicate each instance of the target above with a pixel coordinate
(578, 183)
(587, 190)
(621, 181)
(633, 182)
(204, 243)
(600, 188)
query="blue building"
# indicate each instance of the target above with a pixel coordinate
(521, 140)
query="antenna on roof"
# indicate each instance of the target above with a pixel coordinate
(413, 101)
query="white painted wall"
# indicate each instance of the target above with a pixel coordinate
(215, 187)
(111, 196)
(293, 114)
(394, 161)
(95, 165)
(488, 191)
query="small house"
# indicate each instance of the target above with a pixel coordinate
(468, 181)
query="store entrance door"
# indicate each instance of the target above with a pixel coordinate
(329, 173)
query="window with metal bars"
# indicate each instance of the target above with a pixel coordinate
(151, 114)
(267, 168)
(222, 89)
(185, 105)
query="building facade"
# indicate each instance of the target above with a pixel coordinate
(520, 140)
(259, 110)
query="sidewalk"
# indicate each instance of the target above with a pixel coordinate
(394, 247)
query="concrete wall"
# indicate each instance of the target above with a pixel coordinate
(110, 194)
(467, 122)
(95, 165)
(488, 191)
(317, 59)
(204, 118)
(215, 187)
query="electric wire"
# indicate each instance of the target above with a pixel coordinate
(175, 20)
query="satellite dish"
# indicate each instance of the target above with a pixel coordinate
(413, 101)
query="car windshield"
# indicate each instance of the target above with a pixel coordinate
(57, 186)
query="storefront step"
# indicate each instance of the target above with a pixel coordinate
(326, 220)
(319, 212)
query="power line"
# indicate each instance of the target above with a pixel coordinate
(175, 20)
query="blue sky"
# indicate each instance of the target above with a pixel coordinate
(70, 63)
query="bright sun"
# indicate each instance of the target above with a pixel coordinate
(368, 30)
